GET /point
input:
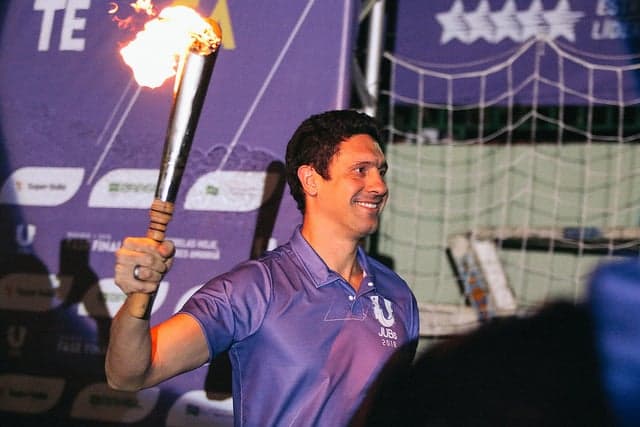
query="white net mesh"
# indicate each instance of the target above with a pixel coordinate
(552, 185)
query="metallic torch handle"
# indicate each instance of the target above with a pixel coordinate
(190, 90)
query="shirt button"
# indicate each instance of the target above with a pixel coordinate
(351, 297)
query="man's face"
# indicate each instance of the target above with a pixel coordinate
(352, 199)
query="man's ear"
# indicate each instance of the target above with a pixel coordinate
(307, 177)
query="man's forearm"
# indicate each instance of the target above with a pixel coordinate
(128, 358)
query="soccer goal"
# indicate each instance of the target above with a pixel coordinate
(497, 205)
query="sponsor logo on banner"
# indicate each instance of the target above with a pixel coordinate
(31, 291)
(105, 298)
(105, 243)
(28, 393)
(16, 337)
(493, 26)
(101, 403)
(77, 344)
(190, 248)
(194, 409)
(41, 186)
(25, 235)
(611, 20)
(125, 188)
(227, 191)
(186, 247)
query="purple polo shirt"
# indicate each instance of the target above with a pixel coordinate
(304, 346)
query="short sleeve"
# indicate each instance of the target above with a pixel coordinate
(232, 306)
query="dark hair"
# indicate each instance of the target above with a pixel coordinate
(318, 138)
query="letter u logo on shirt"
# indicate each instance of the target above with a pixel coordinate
(385, 320)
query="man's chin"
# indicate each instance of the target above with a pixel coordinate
(367, 231)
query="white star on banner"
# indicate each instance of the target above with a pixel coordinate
(561, 21)
(453, 23)
(480, 24)
(533, 23)
(506, 23)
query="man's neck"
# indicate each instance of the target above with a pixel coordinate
(340, 254)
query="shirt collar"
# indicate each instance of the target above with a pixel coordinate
(319, 271)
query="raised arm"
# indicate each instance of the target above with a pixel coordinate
(139, 356)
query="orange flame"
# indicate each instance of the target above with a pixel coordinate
(145, 6)
(155, 52)
(138, 7)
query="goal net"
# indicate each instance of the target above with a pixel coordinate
(499, 205)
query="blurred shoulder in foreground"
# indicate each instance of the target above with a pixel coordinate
(564, 365)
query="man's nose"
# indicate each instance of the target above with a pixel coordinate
(376, 183)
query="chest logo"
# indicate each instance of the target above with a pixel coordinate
(385, 319)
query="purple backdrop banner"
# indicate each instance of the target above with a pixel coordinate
(482, 51)
(80, 148)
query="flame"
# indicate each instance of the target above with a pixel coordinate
(145, 6)
(154, 53)
(140, 7)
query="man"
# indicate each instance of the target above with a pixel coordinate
(308, 325)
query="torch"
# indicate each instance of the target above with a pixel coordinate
(191, 82)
